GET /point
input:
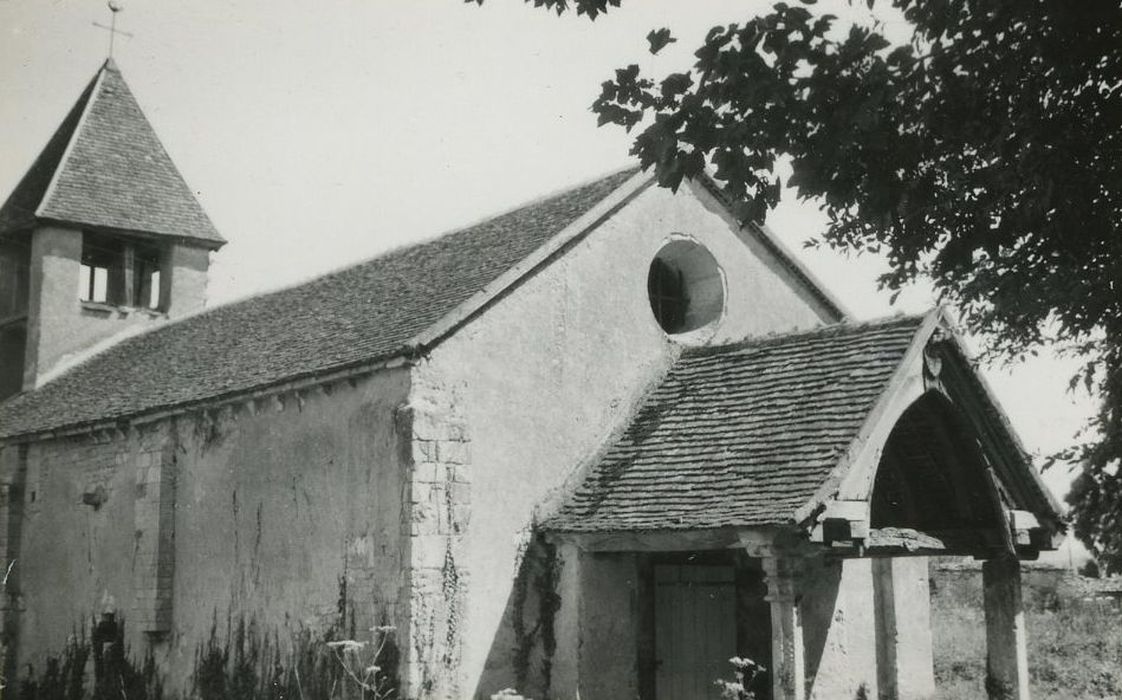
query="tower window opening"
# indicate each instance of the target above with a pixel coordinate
(119, 272)
(102, 261)
(146, 282)
(14, 279)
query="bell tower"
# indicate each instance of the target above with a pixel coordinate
(101, 235)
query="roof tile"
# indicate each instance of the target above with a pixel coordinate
(108, 170)
(359, 314)
(740, 435)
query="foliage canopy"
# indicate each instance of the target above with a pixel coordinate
(985, 152)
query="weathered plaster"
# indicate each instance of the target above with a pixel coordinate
(609, 618)
(554, 367)
(279, 505)
(589, 644)
(568, 626)
(839, 628)
(183, 280)
(65, 580)
(288, 500)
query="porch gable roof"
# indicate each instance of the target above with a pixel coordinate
(753, 434)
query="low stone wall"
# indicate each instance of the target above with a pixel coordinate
(1044, 586)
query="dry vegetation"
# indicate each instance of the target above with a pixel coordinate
(1074, 647)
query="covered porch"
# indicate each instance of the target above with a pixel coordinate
(779, 503)
(659, 616)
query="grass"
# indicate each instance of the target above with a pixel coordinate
(1074, 644)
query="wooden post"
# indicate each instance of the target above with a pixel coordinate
(1006, 651)
(788, 653)
(122, 281)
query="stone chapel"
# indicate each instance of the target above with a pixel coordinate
(592, 447)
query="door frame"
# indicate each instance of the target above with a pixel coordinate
(753, 612)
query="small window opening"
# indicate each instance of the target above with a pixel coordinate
(120, 272)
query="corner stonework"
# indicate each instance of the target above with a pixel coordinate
(435, 517)
(154, 521)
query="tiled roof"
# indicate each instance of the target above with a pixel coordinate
(105, 167)
(367, 312)
(740, 435)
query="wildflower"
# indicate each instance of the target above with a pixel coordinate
(347, 645)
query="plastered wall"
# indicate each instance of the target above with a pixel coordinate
(71, 561)
(554, 368)
(280, 509)
(610, 620)
(839, 628)
(286, 512)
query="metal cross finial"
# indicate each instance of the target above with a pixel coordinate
(114, 8)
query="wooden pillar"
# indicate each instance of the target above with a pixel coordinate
(122, 278)
(788, 652)
(1006, 651)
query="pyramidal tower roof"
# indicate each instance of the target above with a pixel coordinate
(104, 167)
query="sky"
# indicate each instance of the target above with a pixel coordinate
(317, 134)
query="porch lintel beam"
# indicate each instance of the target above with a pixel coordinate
(651, 540)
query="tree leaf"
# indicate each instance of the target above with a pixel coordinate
(658, 39)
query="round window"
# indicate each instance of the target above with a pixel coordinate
(685, 288)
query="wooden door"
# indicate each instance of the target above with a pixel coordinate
(695, 630)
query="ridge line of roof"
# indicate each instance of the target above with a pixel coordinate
(156, 328)
(405, 349)
(826, 329)
(585, 465)
(40, 161)
(408, 246)
(110, 66)
(71, 142)
(599, 489)
(555, 192)
(106, 158)
(557, 244)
